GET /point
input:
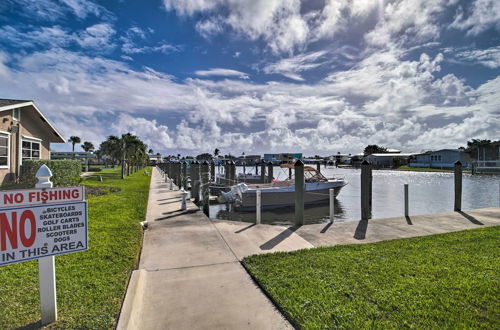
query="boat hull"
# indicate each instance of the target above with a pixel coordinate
(316, 193)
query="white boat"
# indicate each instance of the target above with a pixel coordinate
(282, 193)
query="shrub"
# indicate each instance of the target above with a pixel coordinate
(65, 172)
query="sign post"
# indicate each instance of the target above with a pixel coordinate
(39, 224)
(46, 265)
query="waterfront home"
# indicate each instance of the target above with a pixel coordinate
(248, 160)
(444, 158)
(155, 159)
(25, 133)
(389, 159)
(282, 157)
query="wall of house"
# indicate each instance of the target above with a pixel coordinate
(33, 127)
(30, 126)
(8, 174)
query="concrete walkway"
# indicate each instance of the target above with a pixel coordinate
(188, 277)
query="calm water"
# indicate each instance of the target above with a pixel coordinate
(429, 192)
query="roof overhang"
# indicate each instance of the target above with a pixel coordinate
(60, 138)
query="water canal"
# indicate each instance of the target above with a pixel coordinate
(430, 192)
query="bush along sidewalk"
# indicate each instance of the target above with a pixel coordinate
(90, 284)
(65, 172)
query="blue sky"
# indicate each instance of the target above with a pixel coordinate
(316, 76)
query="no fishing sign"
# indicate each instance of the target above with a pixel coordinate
(43, 222)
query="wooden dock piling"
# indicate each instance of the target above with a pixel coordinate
(366, 190)
(299, 192)
(458, 186)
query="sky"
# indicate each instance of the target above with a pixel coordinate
(258, 76)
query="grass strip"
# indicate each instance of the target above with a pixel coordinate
(91, 284)
(441, 281)
(426, 169)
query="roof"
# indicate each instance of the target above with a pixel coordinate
(8, 104)
(393, 155)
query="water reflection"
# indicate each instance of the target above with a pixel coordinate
(430, 192)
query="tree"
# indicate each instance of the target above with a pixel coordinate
(88, 146)
(216, 152)
(374, 149)
(204, 156)
(129, 149)
(74, 140)
(150, 151)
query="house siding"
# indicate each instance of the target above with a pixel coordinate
(441, 159)
(28, 127)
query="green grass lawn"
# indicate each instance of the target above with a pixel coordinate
(90, 284)
(447, 281)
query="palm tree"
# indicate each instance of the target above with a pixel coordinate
(216, 152)
(88, 146)
(150, 151)
(74, 140)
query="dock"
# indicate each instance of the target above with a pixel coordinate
(190, 276)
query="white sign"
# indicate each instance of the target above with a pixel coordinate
(14, 198)
(39, 231)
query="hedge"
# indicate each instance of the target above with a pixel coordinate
(65, 172)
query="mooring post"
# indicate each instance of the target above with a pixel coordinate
(258, 206)
(407, 206)
(195, 182)
(227, 173)
(46, 265)
(366, 186)
(205, 173)
(178, 172)
(232, 173)
(256, 168)
(184, 175)
(184, 200)
(318, 166)
(458, 186)
(192, 176)
(270, 175)
(332, 204)
(299, 192)
(212, 171)
(290, 173)
(263, 172)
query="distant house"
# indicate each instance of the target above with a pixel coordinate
(248, 160)
(282, 157)
(155, 159)
(25, 133)
(389, 159)
(444, 158)
(80, 155)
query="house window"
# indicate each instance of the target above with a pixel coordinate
(31, 149)
(4, 150)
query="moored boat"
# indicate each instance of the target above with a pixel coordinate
(282, 193)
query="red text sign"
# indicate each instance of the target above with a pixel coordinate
(25, 197)
(40, 231)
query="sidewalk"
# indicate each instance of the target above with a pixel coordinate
(188, 277)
